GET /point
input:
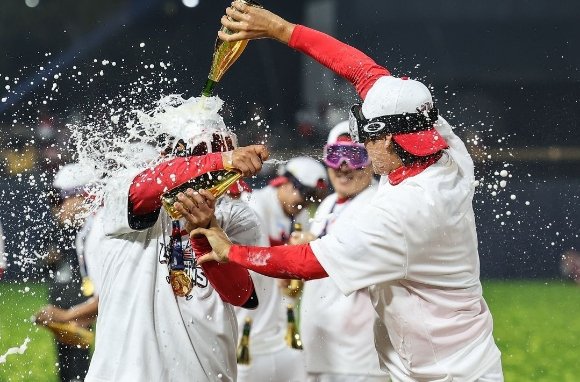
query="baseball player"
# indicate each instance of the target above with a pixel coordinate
(87, 244)
(65, 290)
(146, 331)
(414, 246)
(283, 201)
(278, 206)
(72, 180)
(338, 346)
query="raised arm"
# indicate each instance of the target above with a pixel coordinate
(148, 186)
(350, 63)
(251, 23)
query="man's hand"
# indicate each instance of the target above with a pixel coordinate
(248, 160)
(197, 207)
(248, 22)
(297, 238)
(219, 241)
(51, 313)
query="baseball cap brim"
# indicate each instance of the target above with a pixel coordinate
(421, 143)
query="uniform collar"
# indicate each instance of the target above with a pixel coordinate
(398, 175)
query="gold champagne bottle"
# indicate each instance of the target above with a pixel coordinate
(292, 336)
(225, 53)
(294, 287)
(243, 352)
(216, 182)
(70, 334)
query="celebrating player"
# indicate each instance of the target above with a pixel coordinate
(414, 246)
(146, 329)
(337, 345)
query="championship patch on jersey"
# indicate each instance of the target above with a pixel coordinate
(184, 273)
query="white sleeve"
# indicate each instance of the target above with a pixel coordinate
(322, 215)
(367, 250)
(257, 205)
(457, 148)
(116, 209)
(238, 221)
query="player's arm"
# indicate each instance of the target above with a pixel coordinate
(82, 313)
(285, 262)
(231, 281)
(343, 59)
(148, 186)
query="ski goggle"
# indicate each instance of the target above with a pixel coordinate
(354, 154)
(362, 129)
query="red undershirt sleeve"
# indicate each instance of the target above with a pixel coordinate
(231, 281)
(346, 61)
(148, 186)
(283, 262)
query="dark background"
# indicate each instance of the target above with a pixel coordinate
(505, 71)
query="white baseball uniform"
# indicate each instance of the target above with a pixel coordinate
(415, 248)
(337, 330)
(145, 332)
(272, 359)
(87, 245)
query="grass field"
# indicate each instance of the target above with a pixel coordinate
(537, 327)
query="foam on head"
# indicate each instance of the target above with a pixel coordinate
(113, 150)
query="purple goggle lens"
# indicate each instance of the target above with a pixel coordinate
(354, 154)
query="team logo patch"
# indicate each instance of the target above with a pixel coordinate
(373, 127)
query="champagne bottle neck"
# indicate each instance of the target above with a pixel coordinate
(208, 88)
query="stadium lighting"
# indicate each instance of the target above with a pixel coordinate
(189, 3)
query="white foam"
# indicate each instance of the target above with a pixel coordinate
(15, 350)
(130, 142)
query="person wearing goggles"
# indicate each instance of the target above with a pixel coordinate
(348, 163)
(278, 206)
(413, 247)
(331, 336)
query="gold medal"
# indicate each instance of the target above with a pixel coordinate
(180, 282)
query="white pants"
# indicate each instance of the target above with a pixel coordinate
(284, 365)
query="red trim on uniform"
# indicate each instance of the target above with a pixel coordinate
(237, 188)
(398, 175)
(278, 181)
(343, 138)
(283, 262)
(346, 61)
(148, 186)
(341, 200)
(231, 281)
(275, 242)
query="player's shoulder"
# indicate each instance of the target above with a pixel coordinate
(237, 219)
(327, 202)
